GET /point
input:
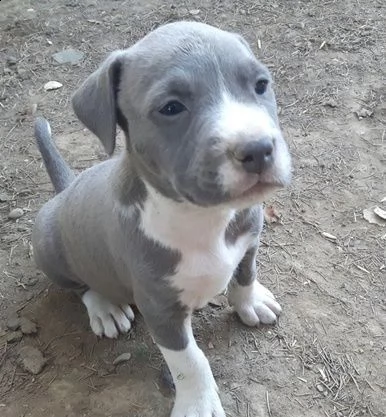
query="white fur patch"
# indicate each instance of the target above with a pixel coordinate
(107, 319)
(196, 389)
(207, 263)
(238, 121)
(254, 303)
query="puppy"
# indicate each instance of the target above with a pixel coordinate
(176, 218)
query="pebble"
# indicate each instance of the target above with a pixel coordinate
(27, 326)
(52, 85)
(15, 213)
(320, 387)
(363, 113)
(32, 359)
(13, 322)
(68, 56)
(14, 337)
(330, 103)
(11, 60)
(122, 358)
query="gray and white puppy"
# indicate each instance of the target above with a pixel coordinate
(176, 218)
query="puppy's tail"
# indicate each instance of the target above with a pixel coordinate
(57, 168)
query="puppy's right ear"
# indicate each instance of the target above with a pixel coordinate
(95, 102)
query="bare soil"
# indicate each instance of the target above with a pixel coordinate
(327, 355)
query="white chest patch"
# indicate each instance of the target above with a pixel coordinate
(207, 262)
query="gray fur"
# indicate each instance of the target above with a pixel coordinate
(249, 220)
(58, 170)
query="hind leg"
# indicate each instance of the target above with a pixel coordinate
(106, 318)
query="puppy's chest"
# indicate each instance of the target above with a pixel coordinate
(207, 260)
(206, 272)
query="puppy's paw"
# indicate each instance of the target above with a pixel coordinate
(107, 319)
(194, 403)
(254, 304)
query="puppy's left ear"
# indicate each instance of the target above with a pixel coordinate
(95, 102)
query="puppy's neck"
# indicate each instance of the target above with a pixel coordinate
(182, 224)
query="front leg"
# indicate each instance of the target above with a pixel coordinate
(196, 389)
(253, 302)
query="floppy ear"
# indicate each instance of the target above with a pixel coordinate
(95, 102)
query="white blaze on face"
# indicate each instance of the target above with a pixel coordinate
(238, 122)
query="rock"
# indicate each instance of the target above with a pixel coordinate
(330, 103)
(363, 113)
(27, 326)
(15, 213)
(52, 85)
(14, 337)
(11, 60)
(68, 56)
(122, 358)
(13, 322)
(320, 387)
(32, 359)
(194, 12)
(23, 73)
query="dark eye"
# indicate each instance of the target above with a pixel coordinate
(172, 108)
(261, 86)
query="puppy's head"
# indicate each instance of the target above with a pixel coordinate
(198, 111)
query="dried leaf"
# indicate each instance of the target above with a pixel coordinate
(52, 85)
(271, 215)
(380, 213)
(371, 217)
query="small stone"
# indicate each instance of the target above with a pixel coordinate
(330, 103)
(52, 85)
(122, 358)
(68, 56)
(14, 337)
(11, 60)
(13, 322)
(320, 387)
(194, 12)
(210, 345)
(15, 213)
(31, 281)
(363, 113)
(22, 73)
(32, 359)
(27, 326)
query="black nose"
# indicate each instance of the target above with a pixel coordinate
(255, 156)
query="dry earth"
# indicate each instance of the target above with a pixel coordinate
(327, 356)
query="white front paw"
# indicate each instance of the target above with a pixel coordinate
(191, 403)
(107, 319)
(254, 304)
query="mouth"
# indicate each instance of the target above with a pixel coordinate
(259, 189)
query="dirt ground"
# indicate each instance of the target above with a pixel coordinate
(327, 355)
